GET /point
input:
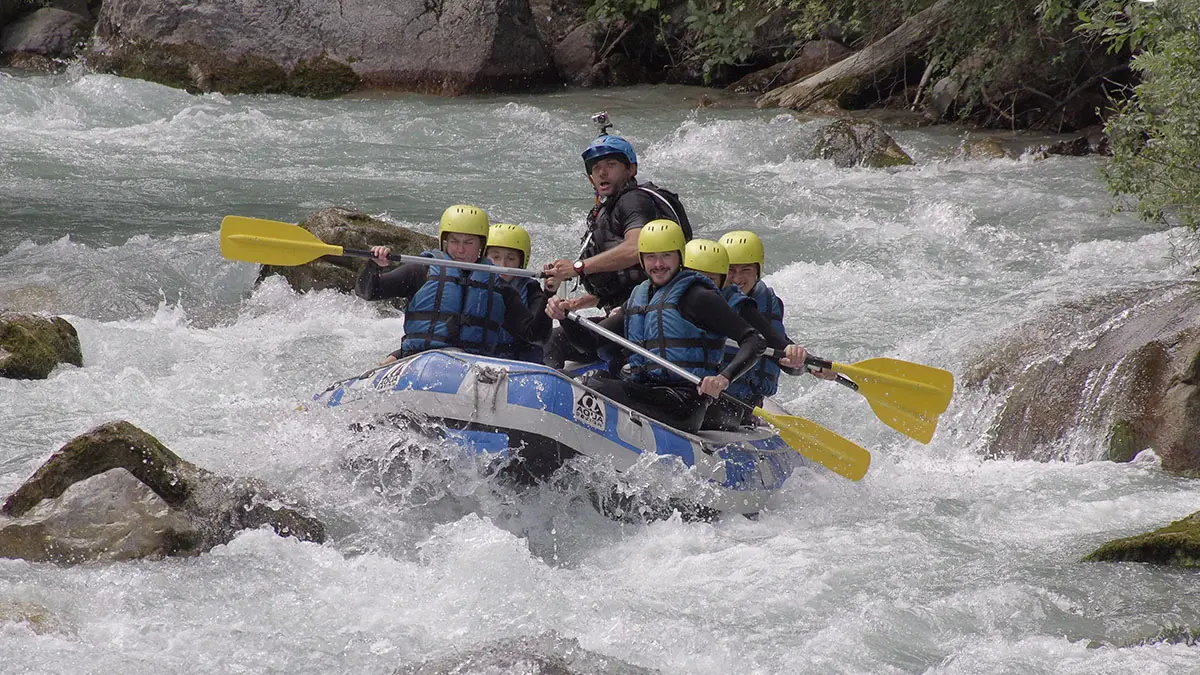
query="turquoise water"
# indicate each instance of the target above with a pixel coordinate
(111, 194)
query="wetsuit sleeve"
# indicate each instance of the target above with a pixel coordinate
(749, 312)
(585, 340)
(634, 209)
(520, 321)
(707, 309)
(537, 306)
(402, 282)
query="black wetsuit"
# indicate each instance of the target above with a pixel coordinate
(727, 414)
(608, 224)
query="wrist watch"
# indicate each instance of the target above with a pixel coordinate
(578, 267)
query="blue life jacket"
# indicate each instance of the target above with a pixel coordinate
(653, 321)
(508, 346)
(763, 379)
(735, 297)
(454, 308)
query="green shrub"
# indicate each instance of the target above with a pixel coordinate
(1155, 133)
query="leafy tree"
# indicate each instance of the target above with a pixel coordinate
(1155, 133)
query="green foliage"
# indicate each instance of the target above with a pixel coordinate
(721, 33)
(623, 10)
(1155, 134)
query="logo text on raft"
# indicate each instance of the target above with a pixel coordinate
(589, 410)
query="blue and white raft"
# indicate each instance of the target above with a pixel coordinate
(542, 417)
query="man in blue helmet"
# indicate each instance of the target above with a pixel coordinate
(608, 265)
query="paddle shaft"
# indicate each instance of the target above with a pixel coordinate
(613, 337)
(474, 267)
(773, 353)
(687, 375)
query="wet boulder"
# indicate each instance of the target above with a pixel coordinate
(324, 49)
(348, 229)
(1177, 545)
(1125, 367)
(32, 346)
(48, 32)
(851, 142)
(77, 508)
(989, 147)
(545, 654)
(577, 56)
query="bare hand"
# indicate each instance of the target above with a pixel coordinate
(713, 385)
(381, 254)
(793, 356)
(557, 308)
(823, 374)
(560, 270)
(550, 284)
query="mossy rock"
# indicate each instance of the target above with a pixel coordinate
(348, 229)
(200, 69)
(1177, 545)
(193, 68)
(848, 142)
(321, 77)
(31, 346)
(985, 148)
(1123, 442)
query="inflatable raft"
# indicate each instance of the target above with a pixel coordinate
(542, 417)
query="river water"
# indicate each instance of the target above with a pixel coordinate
(111, 195)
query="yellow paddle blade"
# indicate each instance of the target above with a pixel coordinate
(271, 242)
(907, 422)
(924, 391)
(840, 455)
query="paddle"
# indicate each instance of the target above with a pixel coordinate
(810, 439)
(924, 389)
(271, 242)
(906, 404)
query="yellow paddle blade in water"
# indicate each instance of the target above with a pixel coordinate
(838, 454)
(271, 242)
(914, 425)
(924, 391)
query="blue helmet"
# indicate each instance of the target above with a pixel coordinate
(608, 146)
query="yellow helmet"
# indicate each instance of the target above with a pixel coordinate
(660, 236)
(706, 255)
(510, 236)
(744, 247)
(464, 219)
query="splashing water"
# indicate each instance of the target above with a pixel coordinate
(937, 562)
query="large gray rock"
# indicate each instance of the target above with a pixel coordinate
(577, 56)
(348, 229)
(75, 508)
(1125, 365)
(445, 47)
(32, 346)
(48, 32)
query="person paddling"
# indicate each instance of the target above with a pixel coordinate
(509, 246)
(679, 315)
(608, 264)
(746, 260)
(448, 306)
(711, 259)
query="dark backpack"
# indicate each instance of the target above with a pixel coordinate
(669, 206)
